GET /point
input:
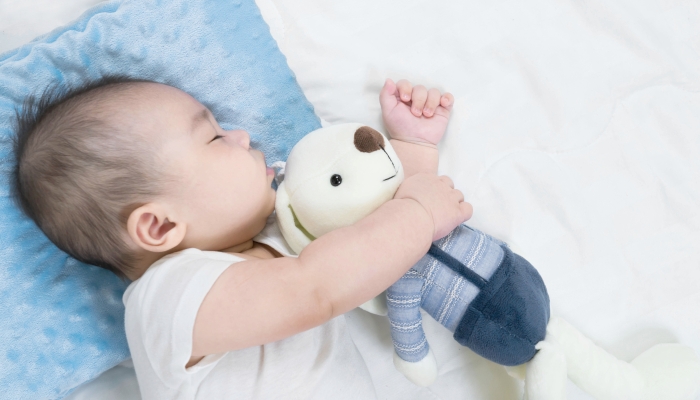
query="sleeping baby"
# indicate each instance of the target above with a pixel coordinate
(138, 177)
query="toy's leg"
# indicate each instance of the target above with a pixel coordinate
(669, 371)
(517, 371)
(412, 354)
(421, 373)
(546, 373)
(592, 368)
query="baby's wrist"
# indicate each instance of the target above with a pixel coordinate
(421, 210)
(414, 140)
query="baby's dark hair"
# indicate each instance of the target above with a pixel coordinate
(80, 173)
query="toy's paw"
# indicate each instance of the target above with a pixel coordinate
(670, 371)
(421, 373)
(377, 305)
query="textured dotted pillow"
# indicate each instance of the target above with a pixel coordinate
(61, 321)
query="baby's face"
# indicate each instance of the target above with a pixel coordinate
(223, 187)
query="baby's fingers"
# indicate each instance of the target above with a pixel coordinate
(466, 209)
(418, 98)
(447, 101)
(405, 90)
(432, 102)
(458, 195)
(447, 180)
(387, 96)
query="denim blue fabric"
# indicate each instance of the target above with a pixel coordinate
(493, 301)
(440, 291)
(61, 321)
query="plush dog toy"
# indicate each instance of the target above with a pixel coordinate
(493, 300)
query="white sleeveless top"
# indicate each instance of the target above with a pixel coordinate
(161, 307)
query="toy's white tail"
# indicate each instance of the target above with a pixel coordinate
(665, 371)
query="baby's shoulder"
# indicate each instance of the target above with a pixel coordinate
(176, 271)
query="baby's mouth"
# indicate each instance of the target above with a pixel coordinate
(262, 158)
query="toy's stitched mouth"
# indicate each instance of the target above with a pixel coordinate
(300, 226)
(396, 171)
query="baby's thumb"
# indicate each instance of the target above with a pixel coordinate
(387, 96)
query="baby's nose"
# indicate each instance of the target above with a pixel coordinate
(242, 137)
(368, 140)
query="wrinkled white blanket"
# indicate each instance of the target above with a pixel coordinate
(575, 135)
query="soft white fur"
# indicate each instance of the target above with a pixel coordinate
(321, 207)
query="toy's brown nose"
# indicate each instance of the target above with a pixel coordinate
(368, 140)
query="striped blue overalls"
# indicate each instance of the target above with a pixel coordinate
(493, 300)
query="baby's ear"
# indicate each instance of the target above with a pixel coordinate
(149, 227)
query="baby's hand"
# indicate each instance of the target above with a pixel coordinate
(437, 194)
(415, 114)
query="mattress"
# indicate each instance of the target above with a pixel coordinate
(575, 135)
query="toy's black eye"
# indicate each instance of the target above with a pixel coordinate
(336, 180)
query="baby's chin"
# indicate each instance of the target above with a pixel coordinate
(267, 209)
(271, 205)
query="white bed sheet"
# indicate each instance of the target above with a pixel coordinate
(575, 135)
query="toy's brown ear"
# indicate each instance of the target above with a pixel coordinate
(296, 239)
(368, 140)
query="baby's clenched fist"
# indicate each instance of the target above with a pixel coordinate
(414, 113)
(439, 198)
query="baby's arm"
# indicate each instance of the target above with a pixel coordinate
(416, 119)
(260, 301)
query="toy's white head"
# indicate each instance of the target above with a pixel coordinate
(334, 177)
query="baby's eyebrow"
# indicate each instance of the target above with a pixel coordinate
(198, 118)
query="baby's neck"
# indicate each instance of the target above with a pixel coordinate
(239, 248)
(247, 249)
(256, 251)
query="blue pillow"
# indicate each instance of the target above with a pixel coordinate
(61, 321)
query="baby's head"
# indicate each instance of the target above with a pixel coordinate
(119, 173)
